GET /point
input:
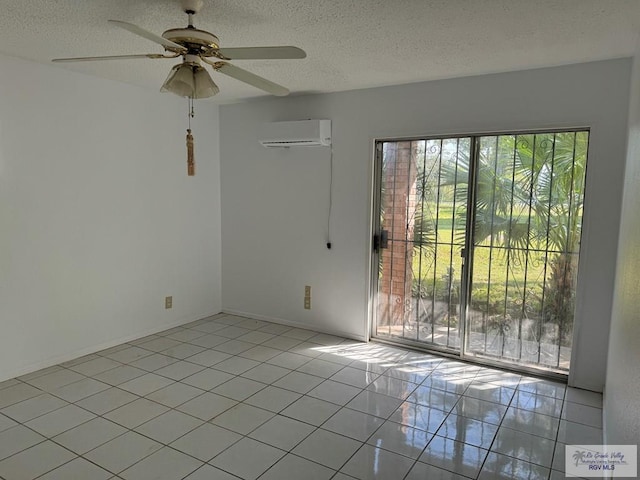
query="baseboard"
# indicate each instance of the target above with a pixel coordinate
(96, 348)
(290, 323)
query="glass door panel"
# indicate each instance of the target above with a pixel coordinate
(422, 220)
(528, 217)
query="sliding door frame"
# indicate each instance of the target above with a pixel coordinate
(467, 270)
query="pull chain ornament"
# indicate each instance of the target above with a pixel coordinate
(191, 162)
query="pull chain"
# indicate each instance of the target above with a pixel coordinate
(191, 163)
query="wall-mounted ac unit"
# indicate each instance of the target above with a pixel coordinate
(302, 133)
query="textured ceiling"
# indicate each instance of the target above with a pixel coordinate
(350, 43)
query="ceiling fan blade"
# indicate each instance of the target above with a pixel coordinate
(112, 57)
(262, 53)
(148, 35)
(250, 78)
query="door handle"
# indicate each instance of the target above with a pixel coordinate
(381, 241)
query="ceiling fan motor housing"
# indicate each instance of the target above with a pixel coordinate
(195, 40)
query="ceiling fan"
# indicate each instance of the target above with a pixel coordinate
(189, 78)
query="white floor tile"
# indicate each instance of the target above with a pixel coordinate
(298, 382)
(146, 384)
(165, 464)
(89, 435)
(158, 345)
(236, 365)
(242, 418)
(206, 441)
(255, 337)
(179, 370)
(35, 461)
(282, 432)
(490, 392)
(60, 420)
(355, 377)
(119, 375)
(401, 439)
(419, 416)
(584, 397)
(501, 467)
(310, 410)
(458, 457)
(209, 358)
(207, 472)
(327, 448)
(107, 400)
(266, 373)
(542, 387)
(207, 379)
(169, 426)
(260, 353)
(435, 398)
(153, 362)
(6, 422)
(371, 463)
(480, 410)
(576, 433)
(54, 380)
(530, 422)
(175, 394)
(537, 403)
(209, 341)
(207, 406)
(273, 399)
(239, 388)
(351, 423)
(524, 446)
(578, 413)
(334, 392)
(95, 366)
(136, 413)
(282, 343)
(77, 469)
(234, 347)
(80, 389)
(292, 466)
(320, 368)
(249, 467)
(289, 360)
(16, 439)
(33, 407)
(422, 471)
(374, 404)
(131, 354)
(467, 430)
(392, 387)
(123, 451)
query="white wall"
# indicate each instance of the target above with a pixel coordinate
(98, 219)
(622, 389)
(274, 202)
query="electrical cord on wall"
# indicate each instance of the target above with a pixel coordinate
(330, 198)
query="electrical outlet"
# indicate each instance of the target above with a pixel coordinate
(307, 291)
(307, 303)
(168, 302)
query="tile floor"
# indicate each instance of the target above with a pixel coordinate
(229, 397)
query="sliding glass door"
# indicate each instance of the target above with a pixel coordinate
(477, 244)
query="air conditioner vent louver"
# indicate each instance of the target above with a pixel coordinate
(303, 133)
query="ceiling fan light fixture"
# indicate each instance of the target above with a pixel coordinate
(190, 80)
